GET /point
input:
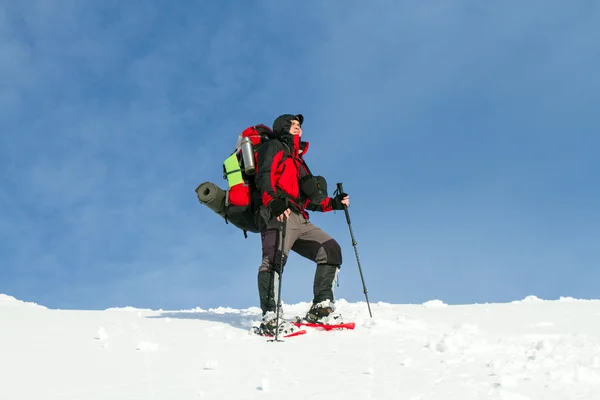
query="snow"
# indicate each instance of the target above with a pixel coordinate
(530, 349)
(9, 301)
(435, 304)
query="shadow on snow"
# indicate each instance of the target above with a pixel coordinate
(241, 319)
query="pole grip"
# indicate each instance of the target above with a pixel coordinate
(340, 189)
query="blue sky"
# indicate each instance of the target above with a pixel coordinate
(466, 134)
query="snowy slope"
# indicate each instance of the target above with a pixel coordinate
(529, 349)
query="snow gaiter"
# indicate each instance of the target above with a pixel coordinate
(323, 285)
(266, 291)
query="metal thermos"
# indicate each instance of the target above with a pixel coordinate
(248, 156)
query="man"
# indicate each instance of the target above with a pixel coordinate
(287, 190)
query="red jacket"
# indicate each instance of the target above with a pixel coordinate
(281, 167)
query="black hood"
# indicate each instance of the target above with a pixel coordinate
(283, 123)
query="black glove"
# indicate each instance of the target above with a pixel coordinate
(336, 202)
(277, 206)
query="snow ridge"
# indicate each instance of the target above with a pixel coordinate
(528, 349)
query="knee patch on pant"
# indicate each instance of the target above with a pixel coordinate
(271, 251)
(333, 252)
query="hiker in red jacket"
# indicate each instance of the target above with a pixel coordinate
(287, 190)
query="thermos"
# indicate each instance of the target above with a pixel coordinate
(248, 156)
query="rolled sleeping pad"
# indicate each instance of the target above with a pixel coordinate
(213, 197)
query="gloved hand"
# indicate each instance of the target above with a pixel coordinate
(337, 201)
(278, 206)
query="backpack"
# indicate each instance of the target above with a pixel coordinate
(239, 170)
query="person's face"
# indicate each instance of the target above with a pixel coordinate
(295, 129)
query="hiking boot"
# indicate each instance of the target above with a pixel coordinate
(323, 313)
(268, 326)
(266, 329)
(269, 323)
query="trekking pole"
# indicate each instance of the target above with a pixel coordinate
(280, 273)
(341, 190)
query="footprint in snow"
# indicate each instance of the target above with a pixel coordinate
(264, 384)
(211, 365)
(101, 334)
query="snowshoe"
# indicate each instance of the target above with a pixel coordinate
(300, 323)
(286, 329)
(268, 327)
(323, 313)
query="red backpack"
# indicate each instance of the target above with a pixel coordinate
(239, 170)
